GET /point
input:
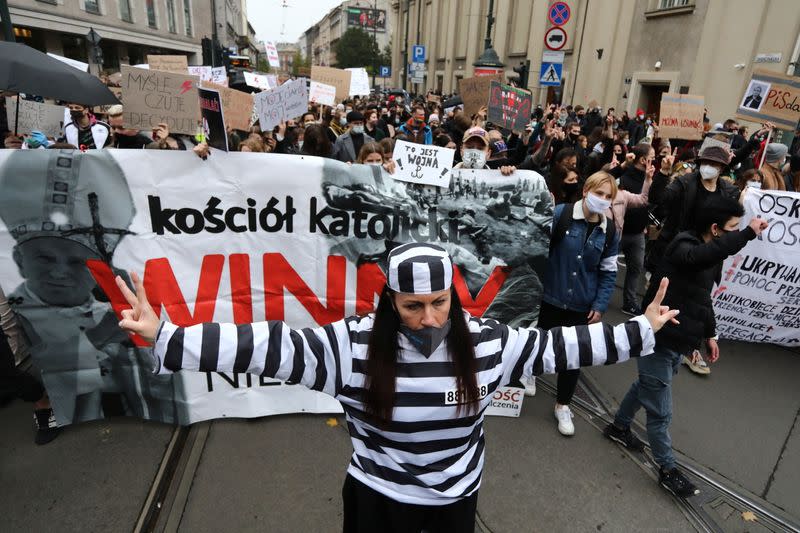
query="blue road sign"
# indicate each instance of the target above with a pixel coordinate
(559, 13)
(418, 53)
(550, 74)
(385, 72)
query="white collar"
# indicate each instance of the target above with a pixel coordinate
(577, 214)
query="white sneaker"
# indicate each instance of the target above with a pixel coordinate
(530, 387)
(564, 416)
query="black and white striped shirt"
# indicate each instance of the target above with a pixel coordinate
(428, 454)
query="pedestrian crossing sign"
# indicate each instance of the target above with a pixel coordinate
(550, 74)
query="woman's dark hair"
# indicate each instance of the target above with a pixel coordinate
(316, 142)
(442, 140)
(563, 154)
(717, 210)
(382, 350)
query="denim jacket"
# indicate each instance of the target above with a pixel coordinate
(580, 277)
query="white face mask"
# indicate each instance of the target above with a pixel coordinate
(595, 204)
(343, 121)
(374, 163)
(299, 145)
(474, 158)
(754, 184)
(708, 172)
(358, 130)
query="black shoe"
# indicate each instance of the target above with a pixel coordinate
(677, 483)
(631, 310)
(624, 437)
(46, 428)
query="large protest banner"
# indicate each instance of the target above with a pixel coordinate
(236, 105)
(758, 298)
(681, 116)
(475, 92)
(277, 105)
(237, 238)
(34, 116)
(333, 76)
(509, 107)
(152, 97)
(177, 63)
(771, 96)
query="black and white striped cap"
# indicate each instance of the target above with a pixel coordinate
(419, 268)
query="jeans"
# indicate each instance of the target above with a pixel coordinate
(653, 391)
(632, 245)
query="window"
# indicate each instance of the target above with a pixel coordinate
(187, 17)
(54, 2)
(667, 4)
(125, 10)
(171, 15)
(151, 13)
(92, 6)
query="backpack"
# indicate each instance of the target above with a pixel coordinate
(562, 225)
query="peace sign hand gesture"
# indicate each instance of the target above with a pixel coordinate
(140, 319)
(658, 315)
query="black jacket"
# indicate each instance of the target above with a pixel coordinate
(636, 218)
(692, 267)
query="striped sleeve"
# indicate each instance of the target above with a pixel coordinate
(311, 357)
(532, 351)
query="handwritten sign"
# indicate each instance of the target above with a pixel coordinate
(428, 165)
(202, 72)
(509, 107)
(152, 97)
(321, 93)
(681, 116)
(236, 105)
(177, 64)
(219, 76)
(259, 81)
(272, 54)
(281, 103)
(359, 82)
(475, 92)
(770, 96)
(333, 76)
(34, 116)
(213, 119)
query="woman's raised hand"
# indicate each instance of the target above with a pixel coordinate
(140, 318)
(658, 314)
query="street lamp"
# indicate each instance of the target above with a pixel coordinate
(488, 64)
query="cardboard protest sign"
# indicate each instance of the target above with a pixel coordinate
(219, 76)
(475, 92)
(359, 82)
(771, 96)
(152, 97)
(236, 239)
(758, 297)
(213, 119)
(236, 105)
(681, 116)
(202, 72)
(259, 81)
(176, 63)
(33, 116)
(321, 93)
(333, 76)
(435, 98)
(287, 101)
(423, 164)
(509, 107)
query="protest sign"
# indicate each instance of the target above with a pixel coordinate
(321, 93)
(359, 82)
(333, 76)
(509, 107)
(758, 298)
(277, 105)
(240, 238)
(272, 54)
(177, 63)
(219, 76)
(33, 116)
(681, 116)
(80, 65)
(259, 81)
(152, 97)
(213, 119)
(475, 92)
(236, 105)
(423, 164)
(771, 96)
(202, 72)
(435, 98)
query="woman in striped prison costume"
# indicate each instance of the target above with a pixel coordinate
(413, 378)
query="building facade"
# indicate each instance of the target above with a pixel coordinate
(129, 29)
(286, 55)
(620, 53)
(319, 41)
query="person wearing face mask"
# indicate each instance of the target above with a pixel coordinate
(580, 274)
(415, 128)
(372, 127)
(337, 123)
(475, 151)
(349, 144)
(85, 132)
(121, 136)
(413, 378)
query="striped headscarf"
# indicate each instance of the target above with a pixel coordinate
(419, 268)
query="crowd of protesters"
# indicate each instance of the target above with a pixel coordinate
(619, 188)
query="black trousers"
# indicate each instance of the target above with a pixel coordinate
(369, 511)
(15, 383)
(551, 316)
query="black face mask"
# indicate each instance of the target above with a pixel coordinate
(76, 115)
(571, 188)
(427, 339)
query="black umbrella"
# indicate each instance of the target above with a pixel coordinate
(26, 70)
(452, 102)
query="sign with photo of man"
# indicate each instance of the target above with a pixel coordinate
(771, 96)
